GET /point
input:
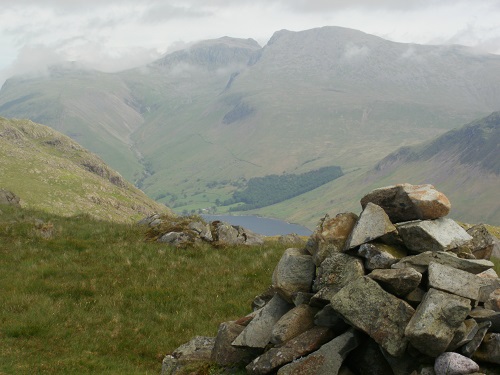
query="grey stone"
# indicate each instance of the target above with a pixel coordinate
(225, 354)
(460, 282)
(373, 223)
(463, 335)
(489, 350)
(367, 358)
(380, 255)
(451, 363)
(415, 297)
(421, 261)
(366, 306)
(226, 234)
(294, 273)
(469, 348)
(489, 273)
(176, 238)
(337, 271)
(432, 235)
(405, 202)
(493, 301)
(258, 332)
(199, 349)
(482, 242)
(291, 239)
(485, 315)
(436, 320)
(300, 298)
(263, 298)
(293, 323)
(325, 361)
(327, 317)
(203, 230)
(399, 282)
(300, 346)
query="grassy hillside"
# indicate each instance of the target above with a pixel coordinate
(50, 172)
(96, 299)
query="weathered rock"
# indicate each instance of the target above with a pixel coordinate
(493, 301)
(327, 317)
(330, 236)
(460, 282)
(489, 350)
(203, 230)
(150, 221)
(489, 273)
(399, 282)
(432, 235)
(225, 354)
(486, 315)
(496, 248)
(199, 349)
(294, 273)
(464, 334)
(366, 306)
(405, 202)
(451, 363)
(300, 298)
(421, 261)
(469, 348)
(227, 234)
(379, 255)
(482, 242)
(373, 223)
(436, 320)
(300, 346)
(367, 359)
(176, 239)
(325, 361)
(337, 271)
(263, 298)
(415, 297)
(293, 323)
(258, 332)
(291, 239)
(9, 198)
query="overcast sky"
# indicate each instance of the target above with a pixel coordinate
(114, 35)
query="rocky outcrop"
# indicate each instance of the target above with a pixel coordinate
(390, 297)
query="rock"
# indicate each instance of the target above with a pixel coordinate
(469, 348)
(451, 363)
(150, 221)
(463, 335)
(330, 236)
(405, 202)
(258, 332)
(9, 198)
(337, 271)
(203, 230)
(432, 235)
(490, 274)
(373, 223)
(294, 273)
(263, 298)
(415, 296)
(225, 354)
(482, 242)
(489, 350)
(379, 255)
(496, 248)
(291, 239)
(325, 361)
(493, 301)
(460, 282)
(368, 359)
(421, 261)
(366, 306)
(399, 282)
(485, 315)
(199, 349)
(293, 323)
(178, 239)
(300, 298)
(327, 317)
(300, 346)
(435, 321)
(226, 234)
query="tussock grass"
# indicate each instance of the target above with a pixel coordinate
(94, 297)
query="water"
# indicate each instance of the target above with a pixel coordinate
(261, 225)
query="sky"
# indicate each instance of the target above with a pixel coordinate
(114, 35)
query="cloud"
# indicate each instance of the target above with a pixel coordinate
(34, 60)
(161, 12)
(353, 51)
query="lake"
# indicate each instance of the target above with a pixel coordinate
(261, 225)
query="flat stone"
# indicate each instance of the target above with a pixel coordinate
(405, 202)
(421, 261)
(469, 348)
(399, 282)
(337, 271)
(463, 335)
(225, 354)
(485, 315)
(300, 346)
(379, 255)
(327, 360)
(489, 350)
(366, 306)
(293, 323)
(451, 363)
(415, 297)
(262, 299)
(436, 320)
(294, 273)
(258, 332)
(373, 223)
(482, 242)
(460, 282)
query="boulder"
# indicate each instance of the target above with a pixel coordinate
(198, 350)
(366, 306)
(373, 223)
(451, 363)
(294, 273)
(227, 234)
(379, 255)
(258, 332)
(399, 282)
(178, 239)
(337, 271)
(489, 350)
(225, 354)
(202, 229)
(405, 202)
(432, 235)
(325, 361)
(482, 242)
(293, 323)
(437, 318)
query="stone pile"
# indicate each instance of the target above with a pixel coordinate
(401, 290)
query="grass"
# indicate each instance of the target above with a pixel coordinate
(80, 296)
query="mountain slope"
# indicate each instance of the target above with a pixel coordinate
(50, 172)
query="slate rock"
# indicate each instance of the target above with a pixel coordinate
(327, 317)
(399, 282)
(262, 299)
(327, 360)
(258, 332)
(294, 273)
(493, 301)
(337, 271)
(415, 297)
(469, 348)
(489, 350)
(480, 315)
(437, 318)
(482, 242)
(225, 354)
(379, 255)
(432, 235)
(202, 229)
(366, 306)
(293, 323)
(405, 202)
(373, 223)
(451, 363)
(463, 335)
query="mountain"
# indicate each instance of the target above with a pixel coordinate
(51, 172)
(197, 124)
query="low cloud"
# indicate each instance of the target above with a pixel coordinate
(353, 51)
